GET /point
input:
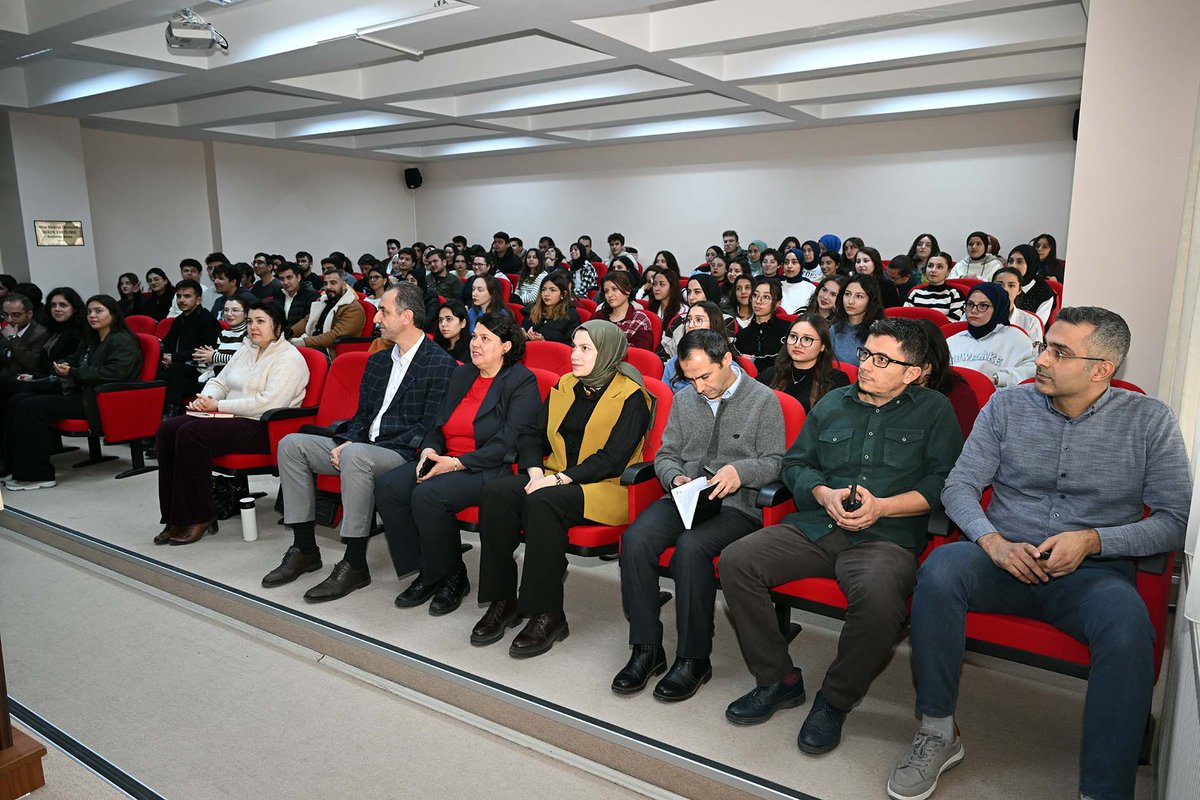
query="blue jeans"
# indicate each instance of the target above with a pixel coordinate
(1098, 604)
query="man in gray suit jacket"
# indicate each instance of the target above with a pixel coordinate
(730, 428)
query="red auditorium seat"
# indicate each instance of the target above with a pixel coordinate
(584, 315)
(160, 330)
(747, 366)
(1058, 300)
(1117, 383)
(952, 328)
(963, 284)
(362, 342)
(656, 329)
(517, 311)
(551, 356)
(913, 312)
(851, 370)
(140, 323)
(983, 388)
(339, 402)
(129, 412)
(583, 302)
(645, 362)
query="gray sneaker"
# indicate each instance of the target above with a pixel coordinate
(916, 775)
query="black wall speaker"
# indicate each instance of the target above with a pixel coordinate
(1075, 126)
(412, 178)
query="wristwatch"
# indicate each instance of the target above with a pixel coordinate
(558, 478)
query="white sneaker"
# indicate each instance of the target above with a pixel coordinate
(23, 486)
(916, 775)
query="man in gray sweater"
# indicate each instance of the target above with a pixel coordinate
(730, 428)
(1071, 462)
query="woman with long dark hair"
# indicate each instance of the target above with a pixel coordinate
(162, 295)
(741, 308)
(805, 367)
(666, 296)
(850, 248)
(868, 262)
(619, 309)
(824, 302)
(859, 305)
(925, 245)
(701, 287)
(529, 281)
(486, 297)
(762, 339)
(453, 330)
(1036, 296)
(129, 294)
(1048, 264)
(108, 353)
(703, 315)
(551, 317)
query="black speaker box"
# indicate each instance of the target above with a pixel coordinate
(412, 178)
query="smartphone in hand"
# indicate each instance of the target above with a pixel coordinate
(425, 468)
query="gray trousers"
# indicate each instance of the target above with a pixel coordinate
(876, 577)
(301, 455)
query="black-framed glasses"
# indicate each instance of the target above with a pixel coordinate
(982, 307)
(803, 341)
(880, 360)
(1057, 354)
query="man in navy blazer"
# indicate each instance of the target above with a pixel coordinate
(399, 397)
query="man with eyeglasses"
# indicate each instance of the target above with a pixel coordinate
(21, 339)
(1072, 462)
(267, 286)
(865, 471)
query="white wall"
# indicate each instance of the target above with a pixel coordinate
(149, 203)
(281, 201)
(1007, 172)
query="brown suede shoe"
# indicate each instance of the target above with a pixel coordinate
(166, 534)
(539, 635)
(190, 534)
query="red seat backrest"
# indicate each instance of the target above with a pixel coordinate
(913, 312)
(318, 369)
(551, 356)
(584, 315)
(963, 284)
(517, 311)
(1117, 383)
(601, 269)
(656, 328)
(1058, 299)
(140, 323)
(662, 409)
(151, 353)
(583, 302)
(793, 416)
(546, 379)
(951, 328)
(747, 366)
(368, 327)
(160, 330)
(851, 370)
(339, 398)
(645, 362)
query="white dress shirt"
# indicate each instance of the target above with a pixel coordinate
(400, 362)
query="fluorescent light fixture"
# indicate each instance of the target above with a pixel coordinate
(933, 101)
(676, 126)
(468, 148)
(441, 8)
(43, 51)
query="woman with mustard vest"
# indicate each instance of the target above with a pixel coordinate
(591, 427)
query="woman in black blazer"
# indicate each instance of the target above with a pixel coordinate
(489, 403)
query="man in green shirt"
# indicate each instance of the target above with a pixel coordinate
(895, 442)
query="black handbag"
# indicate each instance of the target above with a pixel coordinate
(226, 494)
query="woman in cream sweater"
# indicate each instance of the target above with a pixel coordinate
(268, 372)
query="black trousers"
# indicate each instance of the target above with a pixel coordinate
(181, 379)
(545, 516)
(656, 529)
(418, 518)
(27, 434)
(186, 446)
(9, 388)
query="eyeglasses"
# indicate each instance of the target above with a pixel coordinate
(880, 360)
(1056, 353)
(803, 341)
(259, 261)
(978, 306)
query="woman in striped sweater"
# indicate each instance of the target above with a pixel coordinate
(228, 343)
(935, 293)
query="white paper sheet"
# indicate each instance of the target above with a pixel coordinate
(686, 497)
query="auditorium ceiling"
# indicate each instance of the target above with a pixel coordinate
(417, 80)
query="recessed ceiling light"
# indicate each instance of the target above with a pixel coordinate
(43, 51)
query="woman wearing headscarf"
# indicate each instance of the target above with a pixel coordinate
(830, 244)
(591, 427)
(754, 252)
(989, 344)
(810, 261)
(1036, 295)
(979, 263)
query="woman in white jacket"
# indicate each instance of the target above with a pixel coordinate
(979, 263)
(1010, 279)
(266, 373)
(989, 344)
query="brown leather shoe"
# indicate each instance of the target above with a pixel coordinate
(190, 534)
(166, 534)
(500, 616)
(539, 635)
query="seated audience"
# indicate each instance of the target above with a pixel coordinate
(810, 261)
(980, 261)
(583, 272)
(191, 270)
(1072, 463)
(666, 297)
(804, 367)
(398, 400)
(703, 315)
(486, 298)
(625, 262)
(797, 290)
(377, 284)
(924, 246)
(195, 327)
(850, 249)
(830, 244)
(229, 341)
(740, 306)
(762, 339)
(859, 307)
(935, 293)
(701, 287)
(730, 430)
(65, 320)
(1049, 265)
(454, 331)
(591, 427)
(551, 317)
(824, 302)
(831, 264)
(490, 404)
(617, 308)
(504, 258)
(903, 274)
(1010, 279)
(22, 339)
(770, 264)
(989, 344)
(161, 298)
(754, 251)
(268, 373)
(129, 294)
(441, 282)
(937, 374)
(529, 281)
(338, 313)
(868, 262)
(108, 353)
(1036, 296)
(890, 444)
(226, 281)
(296, 296)
(266, 286)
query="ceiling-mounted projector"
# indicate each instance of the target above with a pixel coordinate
(187, 31)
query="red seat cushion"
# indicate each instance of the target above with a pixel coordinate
(329, 483)
(818, 590)
(469, 515)
(244, 461)
(1027, 635)
(70, 425)
(595, 535)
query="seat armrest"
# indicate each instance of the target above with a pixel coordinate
(771, 495)
(105, 388)
(279, 414)
(354, 340)
(1154, 564)
(638, 473)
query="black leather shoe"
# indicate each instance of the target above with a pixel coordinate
(647, 661)
(499, 617)
(761, 704)
(683, 680)
(294, 565)
(342, 581)
(449, 594)
(539, 635)
(417, 593)
(822, 731)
